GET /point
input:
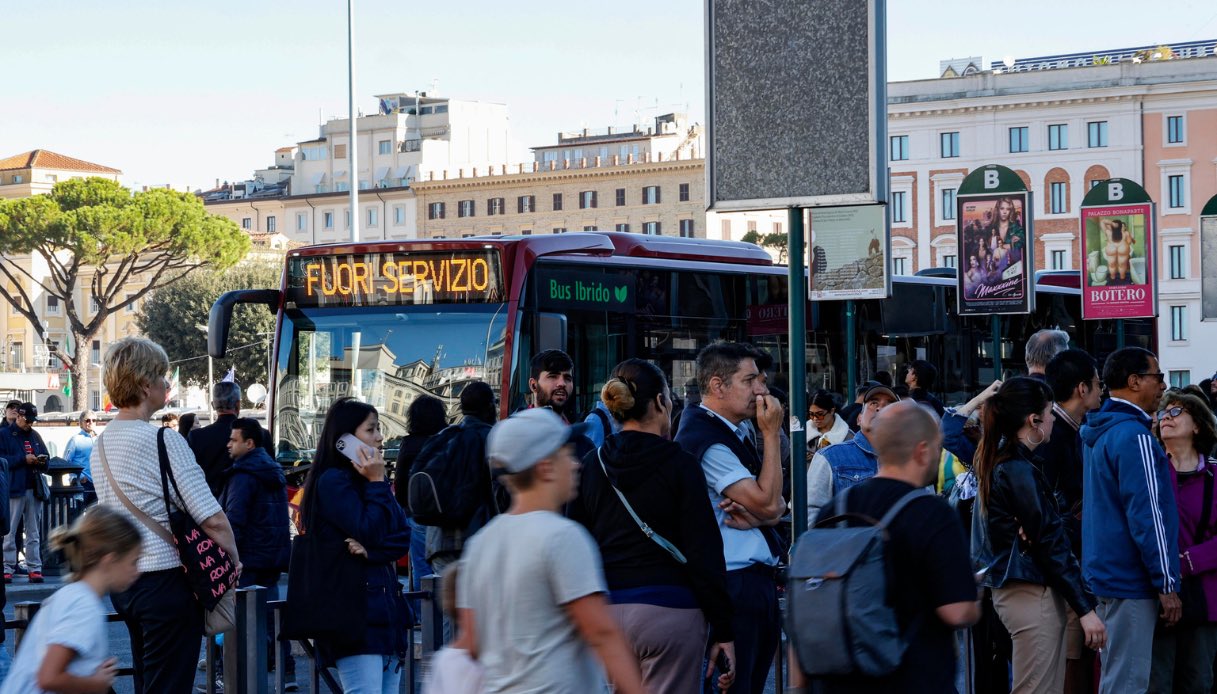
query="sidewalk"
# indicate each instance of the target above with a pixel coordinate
(21, 590)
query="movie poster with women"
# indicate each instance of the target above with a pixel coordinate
(994, 245)
(1118, 279)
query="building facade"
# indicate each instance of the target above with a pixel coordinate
(1062, 128)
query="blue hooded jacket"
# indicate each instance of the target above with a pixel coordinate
(255, 500)
(1130, 527)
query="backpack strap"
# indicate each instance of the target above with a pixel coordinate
(604, 421)
(901, 503)
(646, 529)
(839, 507)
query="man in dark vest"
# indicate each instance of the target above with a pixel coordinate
(746, 491)
(210, 444)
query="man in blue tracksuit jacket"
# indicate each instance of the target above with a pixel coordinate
(1130, 527)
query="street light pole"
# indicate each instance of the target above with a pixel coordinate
(352, 146)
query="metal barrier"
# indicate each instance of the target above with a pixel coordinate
(258, 621)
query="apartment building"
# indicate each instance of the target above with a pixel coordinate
(1063, 123)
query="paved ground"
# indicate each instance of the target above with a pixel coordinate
(120, 645)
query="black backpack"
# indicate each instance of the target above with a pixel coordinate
(450, 479)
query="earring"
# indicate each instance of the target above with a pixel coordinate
(1036, 443)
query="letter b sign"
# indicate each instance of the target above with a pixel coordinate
(1115, 191)
(991, 180)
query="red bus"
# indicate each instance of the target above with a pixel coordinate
(389, 321)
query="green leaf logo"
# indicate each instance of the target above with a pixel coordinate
(621, 293)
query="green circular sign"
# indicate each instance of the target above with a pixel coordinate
(992, 178)
(1115, 191)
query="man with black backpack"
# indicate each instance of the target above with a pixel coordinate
(933, 590)
(450, 488)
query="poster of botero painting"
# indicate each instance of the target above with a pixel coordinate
(1118, 276)
(995, 263)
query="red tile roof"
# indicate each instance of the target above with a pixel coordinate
(46, 159)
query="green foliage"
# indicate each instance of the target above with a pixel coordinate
(98, 240)
(169, 317)
(752, 236)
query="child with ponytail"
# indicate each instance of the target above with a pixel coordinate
(66, 647)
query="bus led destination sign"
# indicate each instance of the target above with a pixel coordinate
(395, 278)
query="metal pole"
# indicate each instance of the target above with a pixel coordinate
(797, 292)
(352, 146)
(210, 384)
(1119, 333)
(995, 328)
(851, 349)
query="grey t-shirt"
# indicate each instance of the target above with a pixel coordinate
(517, 573)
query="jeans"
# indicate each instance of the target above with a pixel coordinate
(1127, 660)
(369, 674)
(1183, 659)
(165, 621)
(418, 560)
(31, 509)
(6, 662)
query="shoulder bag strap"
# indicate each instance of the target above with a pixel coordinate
(156, 528)
(646, 529)
(1207, 511)
(162, 454)
(899, 505)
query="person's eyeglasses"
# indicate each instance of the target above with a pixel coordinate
(1172, 413)
(89, 421)
(1154, 374)
(817, 415)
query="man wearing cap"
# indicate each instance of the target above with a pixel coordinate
(10, 414)
(849, 462)
(26, 454)
(745, 489)
(531, 593)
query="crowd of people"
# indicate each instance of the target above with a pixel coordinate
(1068, 545)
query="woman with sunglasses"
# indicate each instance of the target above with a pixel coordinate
(827, 427)
(79, 450)
(1019, 535)
(1183, 654)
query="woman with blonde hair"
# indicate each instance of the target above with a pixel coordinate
(162, 614)
(667, 581)
(1183, 654)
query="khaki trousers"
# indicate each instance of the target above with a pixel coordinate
(1035, 617)
(670, 644)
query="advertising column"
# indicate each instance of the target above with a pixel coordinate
(1208, 261)
(996, 249)
(1119, 278)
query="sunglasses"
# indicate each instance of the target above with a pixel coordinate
(1172, 413)
(89, 421)
(817, 415)
(1158, 375)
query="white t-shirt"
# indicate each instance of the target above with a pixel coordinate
(74, 617)
(454, 672)
(517, 574)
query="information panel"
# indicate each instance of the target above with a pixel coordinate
(395, 278)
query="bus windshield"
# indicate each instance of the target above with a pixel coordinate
(385, 356)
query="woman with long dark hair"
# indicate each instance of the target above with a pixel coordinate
(1018, 534)
(663, 595)
(827, 426)
(425, 418)
(350, 507)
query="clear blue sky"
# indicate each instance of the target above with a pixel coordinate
(184, 93)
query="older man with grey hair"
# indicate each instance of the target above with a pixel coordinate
(1042, 347)
(210, 444)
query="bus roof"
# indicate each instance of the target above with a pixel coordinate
(596, 243)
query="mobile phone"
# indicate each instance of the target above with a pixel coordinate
(349, 446)
(722, 662)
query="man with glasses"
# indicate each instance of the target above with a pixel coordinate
(846, 464)
(79, 451)
(1130, 531)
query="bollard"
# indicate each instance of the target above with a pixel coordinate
(23, 612)
(433, 616)
(245, 646)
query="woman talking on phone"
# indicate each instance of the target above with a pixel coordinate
(1018, 534)
(349, 506)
